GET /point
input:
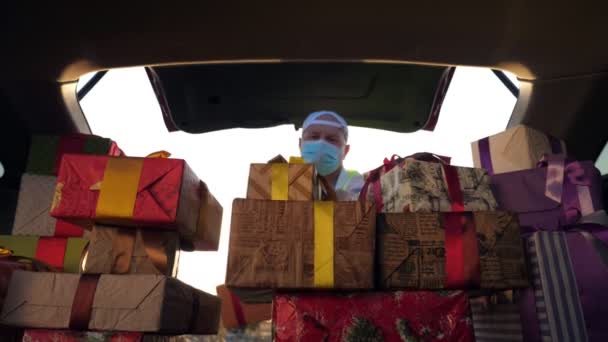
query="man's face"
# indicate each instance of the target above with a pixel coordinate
(332, 135)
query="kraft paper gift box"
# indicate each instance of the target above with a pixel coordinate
(558, 192)
(209, 226)
(301, 244)
(9, 264)
(64, 254)
(569, 269)
(279, 180)
(381, 316)
(412, 185)
(33, 217)
(237, 313)
(46, 151)
(136, 192)
(114, 250)
(450, 251)
(517, 148)
(136, 303)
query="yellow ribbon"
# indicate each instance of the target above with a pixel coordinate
(296, 160)
(279, 179)
(118, 190)
(324, 244)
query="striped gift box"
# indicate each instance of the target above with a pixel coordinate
(496, 322)
(558, 307)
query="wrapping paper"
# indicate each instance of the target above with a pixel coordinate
(280, 180)
(9, 264)
(397, 316)
(64, 254)
(137, 303)
(450, 250)
(32, 216)
(45, 335)
(517, 148)
(209, 222)
(46, 151)
(300, 244)
(413, 185)
(140, 192)
(236, 313)
(569, 271)
(557, 193)
(114, 250)
(499, 321)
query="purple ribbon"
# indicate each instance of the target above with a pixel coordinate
(484, 155)
(575, 199)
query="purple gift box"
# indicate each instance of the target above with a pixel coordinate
(557, 193)
(568, 301)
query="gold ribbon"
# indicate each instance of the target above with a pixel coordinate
(324, 244)
(296, 160)
(118, 190)
(279, 179)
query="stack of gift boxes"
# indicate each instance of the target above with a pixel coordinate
(390, 267)
(107, 230)
(560, 207)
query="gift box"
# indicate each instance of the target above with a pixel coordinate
(236, 313)
(114, 250)
(301, 244)
(209, 222)
(496, 320)
(64, 254)
(411, 185)
(569, 271)
(140, 192)
(517, 148)
(9, 264)
(557, 193)
(450, 251)
(46, 151)
(137, 303)
(32, 216)
(279, 180)
(45, 335)
(390, 316)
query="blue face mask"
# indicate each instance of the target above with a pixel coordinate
(325, 156)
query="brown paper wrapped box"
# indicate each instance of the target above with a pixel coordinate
(517, 148)
(301, 245)
(277, 179)
(114, 250)
(450, 251)
(138, 303)
(209, 222)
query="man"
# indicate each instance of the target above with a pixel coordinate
(324, 144)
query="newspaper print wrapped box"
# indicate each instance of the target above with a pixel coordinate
(114, 250)
(46, 335)
(450, 251)
(301, 244)
(382, 316)
(498, 320)
(136, 192)
(414, 185)
(236, 313)
(138, 303)
(279, 180)
(557, 193)
(64, 254)
(518, 148)
(569, 271)
(33, 217)
(46, 151)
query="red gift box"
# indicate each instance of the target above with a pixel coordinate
(390, 316)
(140, 192)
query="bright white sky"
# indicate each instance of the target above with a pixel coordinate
(122, 106)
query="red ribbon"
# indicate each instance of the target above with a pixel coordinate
(461, 253)
(51, 250)
(73, 143)
(454, 190)
(82, 306)
(238, 309)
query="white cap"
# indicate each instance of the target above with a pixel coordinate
(313, 119)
